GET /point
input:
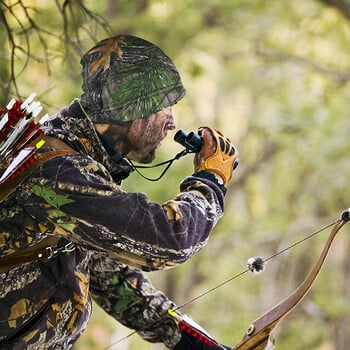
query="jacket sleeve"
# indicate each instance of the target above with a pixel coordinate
(128, 296)
(75, 197)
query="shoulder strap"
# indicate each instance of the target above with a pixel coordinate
(37, 252)
(60, 149)
(41, 250)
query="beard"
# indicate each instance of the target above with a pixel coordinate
(137, 140)
(143, 159)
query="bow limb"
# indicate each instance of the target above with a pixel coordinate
(258, 335)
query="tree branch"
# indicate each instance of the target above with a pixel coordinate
(342, 5)
(19, 20)
(341, 76)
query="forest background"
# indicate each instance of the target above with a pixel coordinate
(274, 76)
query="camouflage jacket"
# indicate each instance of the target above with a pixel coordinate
(46, 305)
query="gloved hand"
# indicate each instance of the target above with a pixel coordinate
(217, 155)
(191, 342)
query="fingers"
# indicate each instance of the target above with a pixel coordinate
(217, 155)
(208, 137)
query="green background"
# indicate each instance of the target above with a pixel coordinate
(274, 77)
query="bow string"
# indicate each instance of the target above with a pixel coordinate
(258, 335)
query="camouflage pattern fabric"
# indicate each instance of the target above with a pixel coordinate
(46, 305)
(125, 78)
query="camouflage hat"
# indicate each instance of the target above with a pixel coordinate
(126, 78)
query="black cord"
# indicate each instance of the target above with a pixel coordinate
(169, 162)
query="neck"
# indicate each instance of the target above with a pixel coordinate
(112, 137)
(117, 155)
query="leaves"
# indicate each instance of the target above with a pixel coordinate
(106, 48)
(51, 197)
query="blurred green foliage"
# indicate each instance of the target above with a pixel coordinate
(274, 76)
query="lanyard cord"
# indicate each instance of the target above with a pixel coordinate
(169, 162)
(129, 166)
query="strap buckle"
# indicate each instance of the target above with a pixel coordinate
(52, 251)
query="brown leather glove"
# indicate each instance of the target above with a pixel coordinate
(217, 155)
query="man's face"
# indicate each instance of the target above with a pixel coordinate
(145, 135)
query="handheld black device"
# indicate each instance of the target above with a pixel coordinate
(191, 141)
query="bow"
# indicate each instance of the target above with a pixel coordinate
(258, 335)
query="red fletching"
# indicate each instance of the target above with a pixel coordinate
(197, 334)
(18, 128)
(23, 166)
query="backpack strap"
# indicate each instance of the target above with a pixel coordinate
(60, 149)
(42, 250)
